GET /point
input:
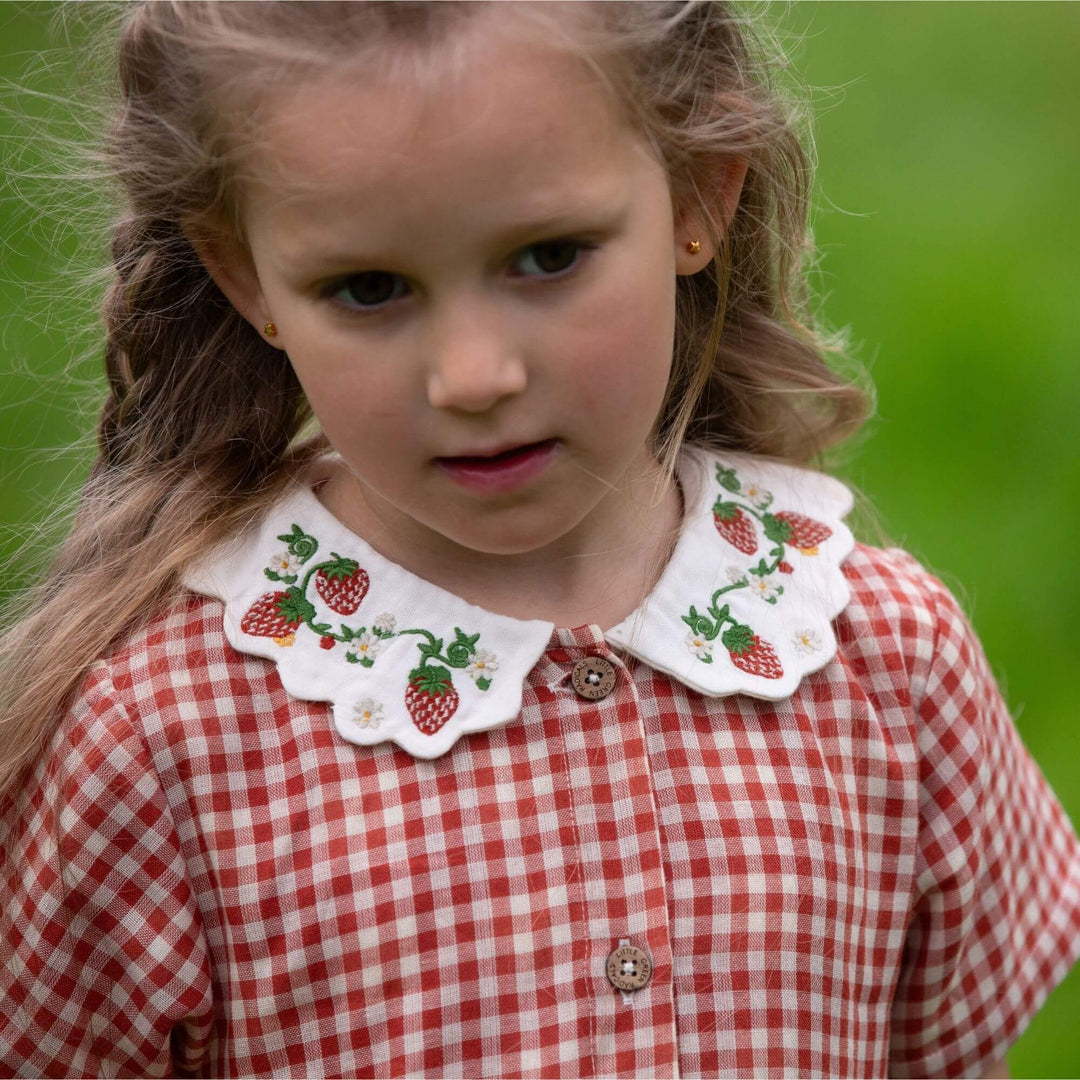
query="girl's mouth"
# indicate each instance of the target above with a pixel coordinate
(502, 472)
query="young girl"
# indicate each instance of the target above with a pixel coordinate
(536, 713)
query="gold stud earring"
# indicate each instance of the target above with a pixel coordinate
(693, 247)
(270, 330)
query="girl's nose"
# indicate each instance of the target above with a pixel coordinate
(473, 372)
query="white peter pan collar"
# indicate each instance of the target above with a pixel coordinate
(745, 605)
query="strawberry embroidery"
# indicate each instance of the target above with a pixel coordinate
(749, 653)
(342, 584)
(800, 532)
(733, 514)
(274, 615)
(735, 523)
(734, 526)
(746, 650)
(430, 698)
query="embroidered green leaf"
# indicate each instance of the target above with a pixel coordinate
(459, 652)
(294, 607)
(738, 639)
(699, 623)
(719, 614)
(300, 543)
(776, 529)
(339, 569)
(483, 683)
(431, 649)
(726, 511)
(321, 628)
(727, 478)
(433, 681)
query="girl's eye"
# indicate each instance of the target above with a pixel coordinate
(373, 289)
(553, 255)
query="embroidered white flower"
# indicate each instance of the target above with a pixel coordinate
(483, 664)
(368, 712)
(764, 587)
(734, 574)
(285, 564)
(806, 641)
(759, 496)
(699, 646)
(385, 623)
(364, 646)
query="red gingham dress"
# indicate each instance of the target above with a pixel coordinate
(869, 877)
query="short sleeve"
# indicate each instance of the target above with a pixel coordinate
(105, 969)
(996, 923)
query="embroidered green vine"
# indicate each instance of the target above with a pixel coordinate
(342, 584)
(783, 528)
(746, 650)
(702, 627)
(735, 519)
(339, 581)
(460, 653)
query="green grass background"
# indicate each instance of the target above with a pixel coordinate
(948, 215)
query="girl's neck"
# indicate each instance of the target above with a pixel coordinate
(598, 575)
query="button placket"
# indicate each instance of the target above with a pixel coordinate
(623, 888)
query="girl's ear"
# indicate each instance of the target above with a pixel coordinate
(229, 264)
(689, 225)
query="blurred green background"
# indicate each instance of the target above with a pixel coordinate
(948, 215)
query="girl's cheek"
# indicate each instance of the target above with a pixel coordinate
(625, 346)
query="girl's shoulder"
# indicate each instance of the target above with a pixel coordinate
(900, 616)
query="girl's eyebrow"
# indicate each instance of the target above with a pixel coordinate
(584, 219)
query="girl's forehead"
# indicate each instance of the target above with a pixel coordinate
(518, 116)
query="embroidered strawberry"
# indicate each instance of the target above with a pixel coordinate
(785, 567)
(273, 615)
(326, 642)
(749, 653)
(342, 584)
(800, 532)
(734, 526)
(430, 698)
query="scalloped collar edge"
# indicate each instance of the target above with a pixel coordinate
(744, 605)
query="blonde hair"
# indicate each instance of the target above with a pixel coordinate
(205, 423)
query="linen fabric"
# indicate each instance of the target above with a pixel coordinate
(868, 876)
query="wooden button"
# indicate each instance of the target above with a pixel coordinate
(594, 677)
(628, 968)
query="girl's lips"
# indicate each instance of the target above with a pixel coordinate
(504, 472)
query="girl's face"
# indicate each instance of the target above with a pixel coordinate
(466, 272)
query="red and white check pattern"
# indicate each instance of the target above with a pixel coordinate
(868, 878)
